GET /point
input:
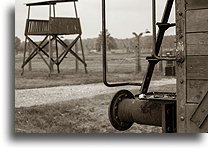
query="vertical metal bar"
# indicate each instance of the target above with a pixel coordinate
(104, 40)
(153, 27)
(161, 62)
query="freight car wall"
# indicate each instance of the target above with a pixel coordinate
(192, 74)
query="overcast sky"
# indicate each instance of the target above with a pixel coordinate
(123, 16)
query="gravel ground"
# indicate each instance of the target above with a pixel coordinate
(30, 97)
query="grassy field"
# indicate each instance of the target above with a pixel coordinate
(121, 67)
(87, 115)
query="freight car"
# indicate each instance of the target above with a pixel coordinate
(183, 111)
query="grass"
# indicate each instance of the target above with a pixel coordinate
(87, 115)
(121, 67)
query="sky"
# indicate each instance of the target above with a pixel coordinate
(123, 16)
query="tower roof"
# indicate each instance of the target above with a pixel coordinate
(48, 2)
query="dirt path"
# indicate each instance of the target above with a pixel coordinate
(30, 97)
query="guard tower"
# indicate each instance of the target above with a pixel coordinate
(52, 30)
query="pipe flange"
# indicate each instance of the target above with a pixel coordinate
(113, 110)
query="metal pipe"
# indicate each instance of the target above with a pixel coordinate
(140, 111)
(124, 110)
(153, 27)
(104, 53)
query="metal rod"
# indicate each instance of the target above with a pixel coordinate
(104, 53)
(153, 27)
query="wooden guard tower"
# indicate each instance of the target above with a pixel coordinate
(51, 30)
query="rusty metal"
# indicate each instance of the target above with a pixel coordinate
(169, 117)
(124, 110)
(113, 110)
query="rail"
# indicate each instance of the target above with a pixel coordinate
(105, 55)
(53, 26)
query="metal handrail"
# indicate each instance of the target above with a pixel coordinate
(104, 54)
(154, 55)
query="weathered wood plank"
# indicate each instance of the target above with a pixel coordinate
(197, 67)
(197, 43)
(191, 127)
(196, 4)
(197, 20)
(59, 25)
(201, 112)
(196, 90)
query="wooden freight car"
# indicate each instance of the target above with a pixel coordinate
(183, 111)
(192, 73)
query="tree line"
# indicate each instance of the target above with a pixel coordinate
(95, 44)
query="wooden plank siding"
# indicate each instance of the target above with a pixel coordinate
(197, 43)
(37, 27)
(197, 67)
(191, 127)
(196, 47)
(196, 89)
(64, 26)
(196, 4)
(197, 21)
(192, 73)
(53, 26)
